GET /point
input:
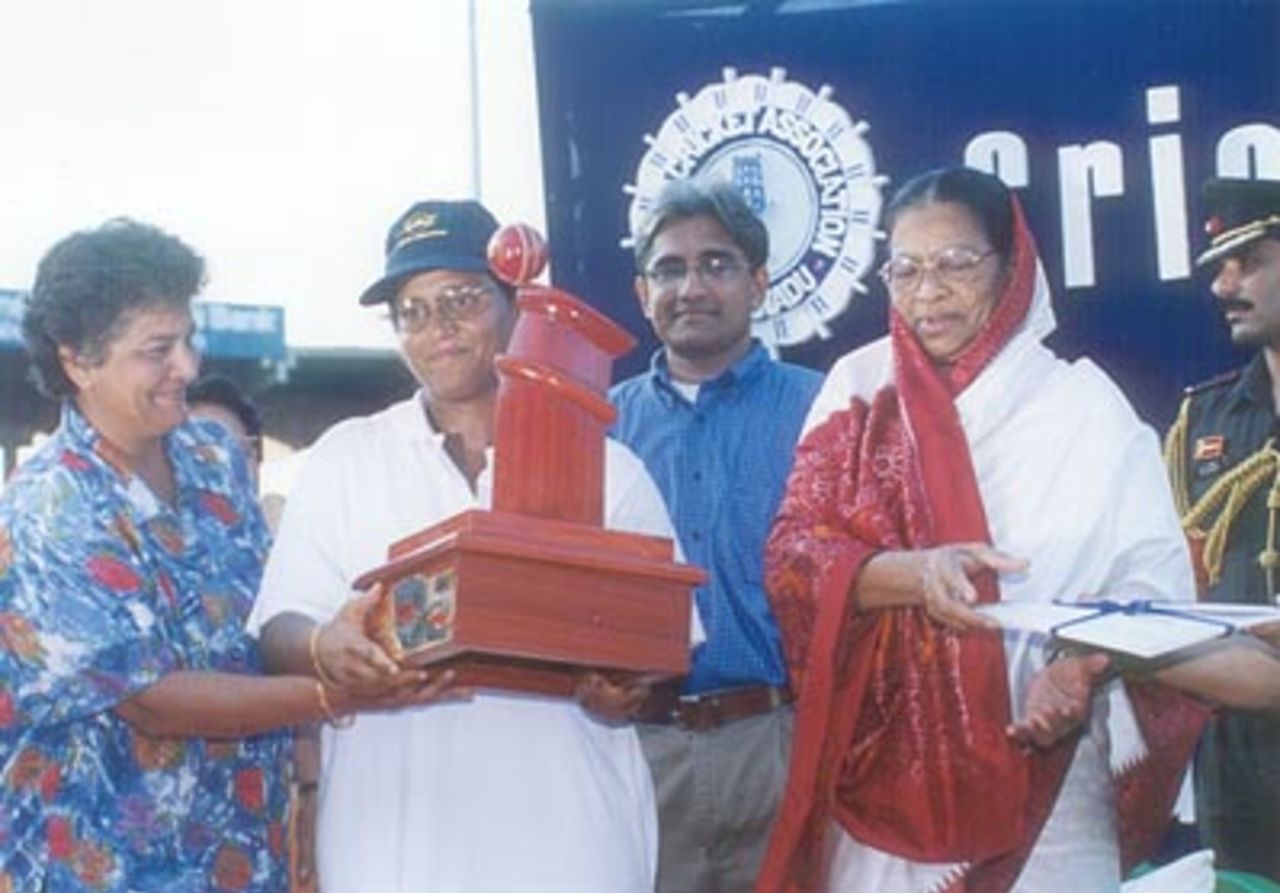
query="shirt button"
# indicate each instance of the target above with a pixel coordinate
(696, 536)
(697, 475)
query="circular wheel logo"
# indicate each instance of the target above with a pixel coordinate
(802, 165)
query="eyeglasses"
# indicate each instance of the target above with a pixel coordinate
(713, 269)
(956, 264)
(454, 303)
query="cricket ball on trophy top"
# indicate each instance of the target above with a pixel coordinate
(517, 254)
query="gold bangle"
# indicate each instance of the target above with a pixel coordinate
(326, 709)
(316, 668)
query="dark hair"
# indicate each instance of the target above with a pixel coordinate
(682, 199)
(86, 284)
(218, 390)
(982, 194)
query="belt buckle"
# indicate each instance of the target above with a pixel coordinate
(777, 697)
(697, 713)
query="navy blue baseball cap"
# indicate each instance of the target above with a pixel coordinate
(434, 235)
(1240, 213)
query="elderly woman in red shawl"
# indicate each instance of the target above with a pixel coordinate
(959, 461)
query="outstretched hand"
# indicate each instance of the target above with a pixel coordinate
(947, 590)
(1058, 700)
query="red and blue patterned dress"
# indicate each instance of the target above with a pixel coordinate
(103, 590)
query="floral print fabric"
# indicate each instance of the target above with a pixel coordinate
(103, 590)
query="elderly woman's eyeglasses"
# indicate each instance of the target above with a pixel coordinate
(953, 265)
(712, 269)
(453, 303)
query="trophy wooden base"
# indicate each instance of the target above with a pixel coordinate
(520, 603)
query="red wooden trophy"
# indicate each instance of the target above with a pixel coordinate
(525, 596)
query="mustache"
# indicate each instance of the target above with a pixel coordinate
(1228, 304)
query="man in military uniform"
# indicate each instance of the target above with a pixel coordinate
(1224, 462)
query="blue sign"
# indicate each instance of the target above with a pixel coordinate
(226, 331)
(1105, 117)
(240, 331)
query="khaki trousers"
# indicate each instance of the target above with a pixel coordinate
(718, 792)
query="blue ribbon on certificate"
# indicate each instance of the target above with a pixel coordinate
(1137, 608)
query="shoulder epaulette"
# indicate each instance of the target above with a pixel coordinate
(1217, 381)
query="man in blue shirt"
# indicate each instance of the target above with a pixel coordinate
(716, 421)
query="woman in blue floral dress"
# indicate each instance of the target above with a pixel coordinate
(137, 750)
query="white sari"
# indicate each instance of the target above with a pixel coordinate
(1072, 480)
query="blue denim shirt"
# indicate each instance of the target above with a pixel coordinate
(721, 463)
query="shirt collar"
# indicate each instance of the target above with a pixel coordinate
(77, 427)
(83, 437)
(410, 420)
(1254, 385)
(751, 365)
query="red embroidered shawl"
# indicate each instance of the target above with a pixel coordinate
(900, 725)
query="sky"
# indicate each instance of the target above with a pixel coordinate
(279, 138)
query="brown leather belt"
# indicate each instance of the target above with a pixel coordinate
(701, 713)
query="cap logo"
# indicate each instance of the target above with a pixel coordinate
(419, 225)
